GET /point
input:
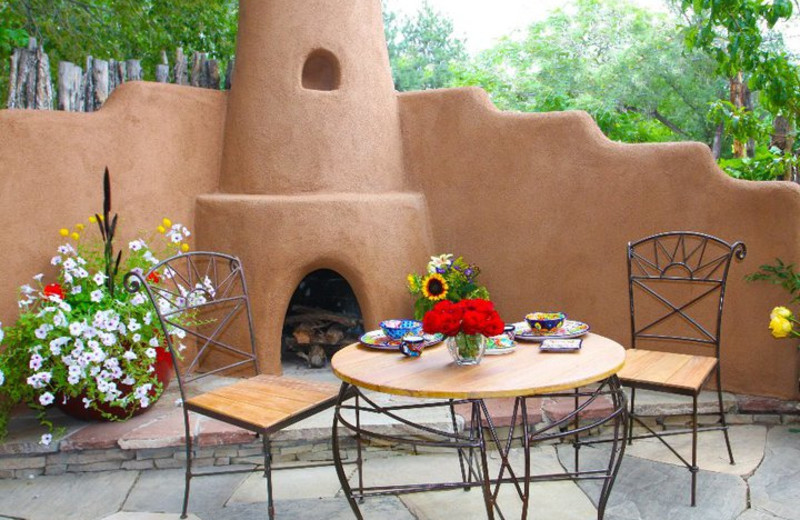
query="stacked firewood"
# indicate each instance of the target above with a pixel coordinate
(316, 334)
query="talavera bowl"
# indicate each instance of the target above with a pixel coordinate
(398, 329)
(545, 321)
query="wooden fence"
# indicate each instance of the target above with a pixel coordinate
(86, 89)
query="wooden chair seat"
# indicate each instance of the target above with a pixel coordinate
(265, 403)
(653, 369)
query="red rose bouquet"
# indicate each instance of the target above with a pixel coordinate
(465, 322)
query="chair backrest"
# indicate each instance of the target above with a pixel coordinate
(676, 284)
(202, 305)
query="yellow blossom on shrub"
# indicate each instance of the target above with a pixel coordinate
(167, 222)
(75, 236)
(780, 327)
(64, 232)
(185, 248)
(161, 229)
(93, 220)
(80, 227)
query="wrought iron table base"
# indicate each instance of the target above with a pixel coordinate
(471, 446)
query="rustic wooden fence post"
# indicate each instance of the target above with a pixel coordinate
(70, 87)
(162, 69)
(29, 84)
(181, 68)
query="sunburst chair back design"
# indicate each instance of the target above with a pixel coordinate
(202, 305)
(676, 284)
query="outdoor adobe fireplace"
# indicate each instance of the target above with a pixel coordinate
(312, 161)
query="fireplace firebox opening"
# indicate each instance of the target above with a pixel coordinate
(323, 316)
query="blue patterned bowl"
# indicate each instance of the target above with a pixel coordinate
(545, 321)
(398, 329)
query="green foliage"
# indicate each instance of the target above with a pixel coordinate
(422, 49)
(781, 274)
(766, 165)
(70, 30)
(624, 65)
(735, 33)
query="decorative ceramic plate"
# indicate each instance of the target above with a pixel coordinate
(378, 340)
(570, 329)
(499, 351)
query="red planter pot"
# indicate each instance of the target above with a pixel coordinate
(73, 406)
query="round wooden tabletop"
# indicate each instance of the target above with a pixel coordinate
(526, 371)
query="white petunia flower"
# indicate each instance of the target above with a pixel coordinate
(96, 296)
(70, 264)
(136, 245)
(148, 319)
(46, 439)
(27, 289)
(39, 277)
(138, 299)
(151, 353)
(59, 320)
(129, 355)
(81, 273)
(133, 325)
(41, 331)
(153, 341)
(86, 402)
(76, 328)
(77, 289)
(36, 362)
(99, 278)
(55, 260)
(128, 381)
(108, 339)
(136, 338)
(46, 399)
(64, 306)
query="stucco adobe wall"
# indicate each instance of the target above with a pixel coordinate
(545, 204)
(162, 144)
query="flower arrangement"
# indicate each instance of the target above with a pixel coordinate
(465, 321)
(781, 320)
(445, 279)
(84, 337)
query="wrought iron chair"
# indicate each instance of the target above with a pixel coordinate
(202, 305)
(676, 284)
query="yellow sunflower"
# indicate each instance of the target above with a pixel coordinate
(434, 287)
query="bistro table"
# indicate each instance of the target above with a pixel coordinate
(527, 372)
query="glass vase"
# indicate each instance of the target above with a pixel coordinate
(466, 349)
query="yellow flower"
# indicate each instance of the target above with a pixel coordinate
(434, 287)
(783, 312)
(167, 223)
(64, 232)
(93, 220)
(75, 236)
(161, 229)
(413, 284)
(185, 248)
(780, 327)
(80, 227)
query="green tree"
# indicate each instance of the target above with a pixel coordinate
(624, 65)
(737, 35)
(422, 49)
(70, 30)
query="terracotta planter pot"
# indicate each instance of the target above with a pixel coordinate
(73, 406)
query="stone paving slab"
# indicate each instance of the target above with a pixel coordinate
(757, 514)
(381, 508)
(747, 443)
(149, 516)
(647, 490)
(649, 402)
(774, 488)
(86, 496)
(290, 484)
(161, 491)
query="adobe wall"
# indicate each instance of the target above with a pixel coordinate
(545, 204)
(161, 143)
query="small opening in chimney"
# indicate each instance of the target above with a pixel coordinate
(323, 316)
(321, 71)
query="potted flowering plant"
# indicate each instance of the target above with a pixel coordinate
(82, 342)
(445, 279)
(466, 324)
